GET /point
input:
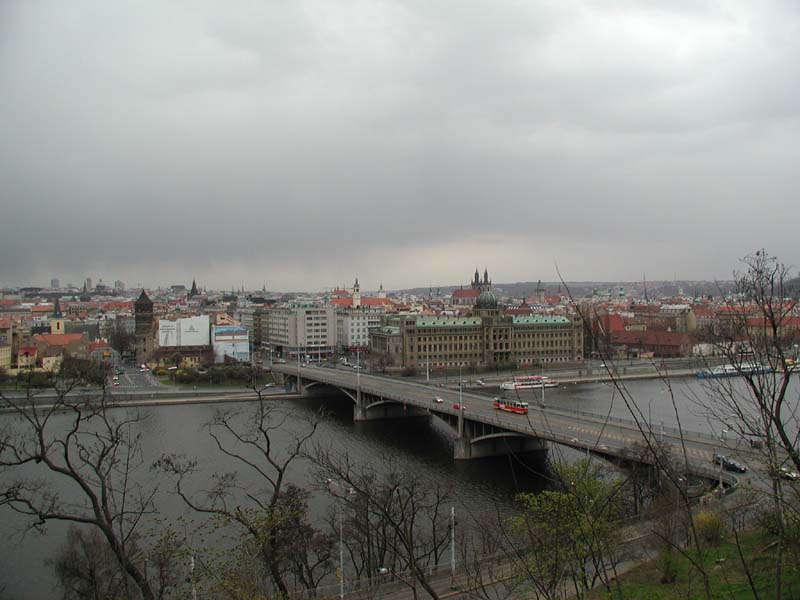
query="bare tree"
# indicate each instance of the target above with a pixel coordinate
(397, 520)
(74, 458)
(271, 515)
(756, 336)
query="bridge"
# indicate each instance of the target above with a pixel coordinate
(483, 431)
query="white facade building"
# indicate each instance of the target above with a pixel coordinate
(230, 343)
(304, 329)
(188, 331)
(353, 327)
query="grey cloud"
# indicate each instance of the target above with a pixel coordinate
(293, 138)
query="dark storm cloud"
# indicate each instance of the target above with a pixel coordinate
(302, 143)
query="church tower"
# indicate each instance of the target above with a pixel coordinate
(356, 294)
(57, 322)
(194, 291)
(143, 323)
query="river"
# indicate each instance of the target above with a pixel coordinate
(413, 445)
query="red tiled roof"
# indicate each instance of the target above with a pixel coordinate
(788, 320)
(29, 350)
(367, 301)
(98, 344)
(42, 308)
(58, 339)
(652, 338)
(468, 293)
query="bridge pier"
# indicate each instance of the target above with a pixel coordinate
(467, 449)
(479, 440)
(373, 408)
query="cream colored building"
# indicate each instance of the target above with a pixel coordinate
(304, 329)
(487, 338)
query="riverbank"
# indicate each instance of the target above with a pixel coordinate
(178, 399)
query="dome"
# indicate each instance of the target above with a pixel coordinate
(486, 299)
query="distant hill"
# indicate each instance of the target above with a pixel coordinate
(584, 289)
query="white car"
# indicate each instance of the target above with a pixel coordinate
(438, 399)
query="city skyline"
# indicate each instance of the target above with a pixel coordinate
(297, 145)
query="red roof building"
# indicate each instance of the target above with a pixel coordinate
(663, 344)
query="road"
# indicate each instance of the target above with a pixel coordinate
(584, 431)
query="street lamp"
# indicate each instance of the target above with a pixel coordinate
(452, 546)
(543, 405)
(350, 492)
(358, 369)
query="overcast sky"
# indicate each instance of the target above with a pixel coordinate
(302, 143)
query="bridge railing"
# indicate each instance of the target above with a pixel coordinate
(368, 386)
(674, 431)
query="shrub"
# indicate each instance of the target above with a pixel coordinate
(709, 527)
(186, 376)
(667, 565)
(409, 372)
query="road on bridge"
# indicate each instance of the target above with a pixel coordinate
(591, 432)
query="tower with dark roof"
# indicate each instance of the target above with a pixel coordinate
(57, 321)
(193, 292)
(143, 328)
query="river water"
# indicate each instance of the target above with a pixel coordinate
(422, 446)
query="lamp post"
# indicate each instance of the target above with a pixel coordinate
(452, 546)
(543, 405)
(350, 492)
(460, 398)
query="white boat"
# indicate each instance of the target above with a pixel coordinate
(733, 371)
(529, 382)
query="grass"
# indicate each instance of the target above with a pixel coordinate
(726, 574)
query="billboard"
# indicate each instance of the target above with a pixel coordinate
(190, 331)
(167, 333)
(194, 331)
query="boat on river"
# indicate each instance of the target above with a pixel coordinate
(529, 382)
(733, 371)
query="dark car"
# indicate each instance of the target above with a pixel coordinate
(729, 464)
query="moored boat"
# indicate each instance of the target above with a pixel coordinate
(529, 382)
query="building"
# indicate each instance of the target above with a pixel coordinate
(469, 296)
(101, 351)
(185, 341)
(144, 342)
(299, 330)
(231, 343)
(186, 331)
(353, 327)
(487, 338)
(5, 356)
(666, 317)
(55, 283)
(52, 348)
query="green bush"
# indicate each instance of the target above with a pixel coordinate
(186, 376)
(668, 566)
(709, 527)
